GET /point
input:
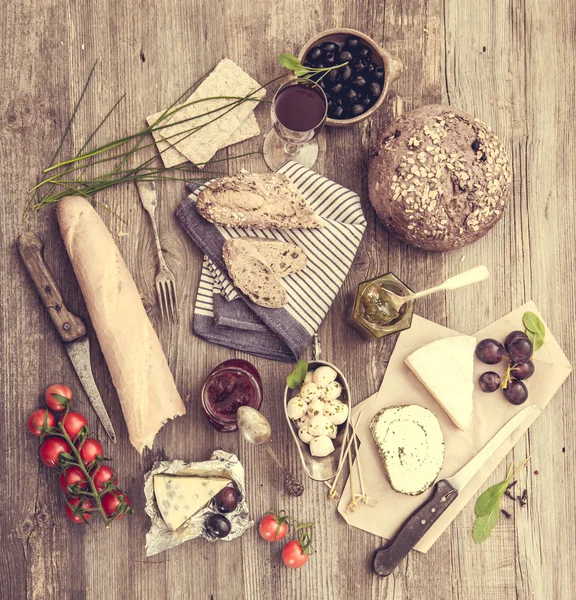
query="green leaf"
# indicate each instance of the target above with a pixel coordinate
(484, 525)
(290, 61)
(534, 324)
(301, 72)
(297, 376)
(490, 499)
(537, 340)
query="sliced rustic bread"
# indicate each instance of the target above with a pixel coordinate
(282, 257)
(256, 201)
(252, 275)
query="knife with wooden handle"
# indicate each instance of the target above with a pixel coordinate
(70, 328)
(387, 558)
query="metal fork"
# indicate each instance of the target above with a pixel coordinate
(165, 281)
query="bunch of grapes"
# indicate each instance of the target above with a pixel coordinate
(518, 350)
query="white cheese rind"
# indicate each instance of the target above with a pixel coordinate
(411, 444)
(179, 498)
(446, 369)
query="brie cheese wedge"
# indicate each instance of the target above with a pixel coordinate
(446, 369)
(411, 444)
(181, 497)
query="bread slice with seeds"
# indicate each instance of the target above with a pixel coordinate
(282, 257)
(252, 275)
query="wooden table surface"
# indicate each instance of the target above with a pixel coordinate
(509, 63)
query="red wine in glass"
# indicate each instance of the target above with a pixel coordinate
(300, 107)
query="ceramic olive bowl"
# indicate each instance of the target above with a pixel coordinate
(391, 64)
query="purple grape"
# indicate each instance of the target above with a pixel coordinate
(513, 336)
(489, 381)
(516, 392)
(520, 351)
(523, 370)
(489, 351)
(226, 500)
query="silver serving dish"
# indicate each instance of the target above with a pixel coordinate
(321, 468)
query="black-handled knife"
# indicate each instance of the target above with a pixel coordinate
(387, 558)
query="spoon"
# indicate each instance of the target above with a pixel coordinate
(255, 429)
(467, 278)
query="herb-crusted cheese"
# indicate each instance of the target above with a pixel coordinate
(179, 498)
(411, 444)
(446, 368)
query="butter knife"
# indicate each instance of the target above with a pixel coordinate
(70, 328)
(387, 558)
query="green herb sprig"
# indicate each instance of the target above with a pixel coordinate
(292, 63)
(535, 329)
(487, 506)
(298, 375)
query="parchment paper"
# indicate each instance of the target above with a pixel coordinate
(491, 411)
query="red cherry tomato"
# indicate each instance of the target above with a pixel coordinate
(58, 404)
(87, 505)
(40, 420)
(272, 528)
(50, 450)
(101, 475)
(89, 450)
(73, 423)
(72, 476)
(112, 503)
(293, 556)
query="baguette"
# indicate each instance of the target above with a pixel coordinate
(133, 353)
(256, 201)
(282, 257)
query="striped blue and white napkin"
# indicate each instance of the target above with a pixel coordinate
(225, 316)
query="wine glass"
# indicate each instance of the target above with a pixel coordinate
(298, 112)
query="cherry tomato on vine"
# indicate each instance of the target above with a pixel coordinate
(112, 502)
(73, 423)
(272, 528)
(87, 505)
(293, 556)
(72, 475)
(55, 403)
(101, 475)
(39, 420)
(90, 450)
(51, 449)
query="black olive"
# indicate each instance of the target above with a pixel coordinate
(357, 109)
(369, 70)
(360, 65)
(353, 42)
(350, 96)
(366, 101)
(336, 88)
(378, 74)
(322, 84)
(374, 90)
(358, 81)
(345, 56)
(345, 72)
(363, 52)
(334, 75)
(329, 47)
(314, 55)
(329, 59)
(335, 112)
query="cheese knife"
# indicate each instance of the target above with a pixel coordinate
(70, 328)
(387, 558)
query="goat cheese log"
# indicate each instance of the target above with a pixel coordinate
(133, 353)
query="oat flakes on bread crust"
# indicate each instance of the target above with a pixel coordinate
(439, 179)
(256, 201)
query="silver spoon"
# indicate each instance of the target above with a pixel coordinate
(255, 429)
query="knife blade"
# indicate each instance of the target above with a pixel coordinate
(70, 328)
(387, 558)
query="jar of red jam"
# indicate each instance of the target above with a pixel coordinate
(232, 384)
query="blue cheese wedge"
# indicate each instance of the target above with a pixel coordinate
(181, 497)
(446, 369)
(411, 444)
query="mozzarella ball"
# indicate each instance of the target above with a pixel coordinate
(315, 408)
(303, 420)
(333, 432)
(310, 392)
(332, 391)
(296, 408)
(321, 446)
(305, 435)
(308, 377)
(324, 375)
(336, 412)
(319, 425)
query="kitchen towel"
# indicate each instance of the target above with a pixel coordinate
(226, 317)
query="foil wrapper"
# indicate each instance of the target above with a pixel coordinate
(221, 464)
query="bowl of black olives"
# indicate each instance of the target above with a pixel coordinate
(354, 91)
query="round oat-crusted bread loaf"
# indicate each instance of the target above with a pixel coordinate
(439, 178)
